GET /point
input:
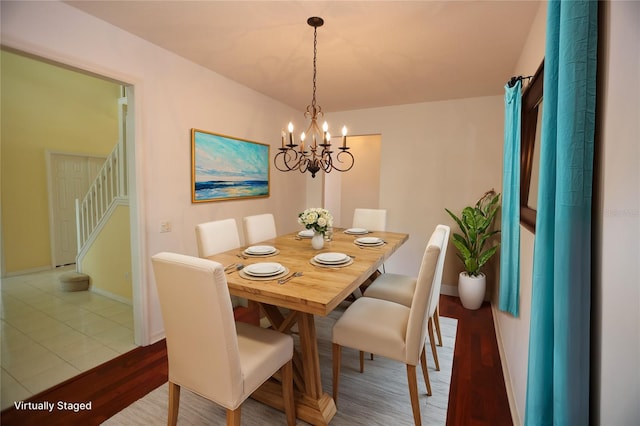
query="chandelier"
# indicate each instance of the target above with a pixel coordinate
(317, 154)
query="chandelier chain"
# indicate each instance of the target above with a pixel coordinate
(315, 52)
(318, 154)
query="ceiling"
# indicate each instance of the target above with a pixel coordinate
(369, 53)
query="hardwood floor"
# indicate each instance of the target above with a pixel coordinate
(477, 395)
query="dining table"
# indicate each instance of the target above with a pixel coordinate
(317, 289)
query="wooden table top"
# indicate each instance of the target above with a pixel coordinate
(320, 289)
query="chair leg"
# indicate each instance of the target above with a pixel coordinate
(433, 344)
(174, 404)
(287, 393)
(425, 371)
(436, 319)
(413, 393)
(233, 417)
(337, 354)
(362, 361)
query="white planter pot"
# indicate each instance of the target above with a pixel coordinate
(471, 290)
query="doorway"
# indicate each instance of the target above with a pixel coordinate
(70, 176)
(360, 186)
(79, 329)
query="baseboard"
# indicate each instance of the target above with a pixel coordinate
(27, 271)
(111, 295)
(449, 290)
(515, 417)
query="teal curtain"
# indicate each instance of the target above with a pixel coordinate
(558, 374)
(510, 226)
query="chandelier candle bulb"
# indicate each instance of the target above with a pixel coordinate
(290, 133)
(282, 138)
(344, 136)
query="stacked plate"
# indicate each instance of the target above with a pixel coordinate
(369, 241)
(332, 259)
(356, 231)
(259, 250)
(307, 233)
(263, 269)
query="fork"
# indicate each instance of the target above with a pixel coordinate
(290, 277)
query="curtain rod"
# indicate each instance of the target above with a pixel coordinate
(513, 80)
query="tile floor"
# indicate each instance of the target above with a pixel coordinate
(49, 336)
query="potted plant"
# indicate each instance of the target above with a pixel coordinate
(475, 246)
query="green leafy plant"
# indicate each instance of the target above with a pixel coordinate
(474, 245)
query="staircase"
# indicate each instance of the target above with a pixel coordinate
(108, 190)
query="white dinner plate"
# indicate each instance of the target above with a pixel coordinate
(369, 241)
(332, 258)
(263, 269)
(260, 250)
(307, 233)
(356, 231)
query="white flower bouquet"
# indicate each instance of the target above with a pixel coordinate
(317, 219)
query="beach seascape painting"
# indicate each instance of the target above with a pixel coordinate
(225, 168)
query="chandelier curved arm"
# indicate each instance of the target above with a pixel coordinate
(289, 158)
(349, 160)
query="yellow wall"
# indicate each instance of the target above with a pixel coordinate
(108, 261)
(44, 107)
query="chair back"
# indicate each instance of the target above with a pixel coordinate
(440, 238)
(371, 219)
(216, 237)
(202, 345)
(259, 228)
(417, 324)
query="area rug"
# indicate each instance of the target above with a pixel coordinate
(379, 396)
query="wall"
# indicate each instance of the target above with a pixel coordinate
(513, 333)
(108, 261)
(434, 155)
(45, 107)
(171, 96)
(616, 313)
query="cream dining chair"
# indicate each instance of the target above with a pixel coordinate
(370, 219)
(390, 330)
(400, 288)
(259, 228)
(209, 353)
(215, 237)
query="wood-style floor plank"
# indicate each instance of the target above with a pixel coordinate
(477, 395)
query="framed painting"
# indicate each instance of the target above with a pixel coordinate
(227, 168)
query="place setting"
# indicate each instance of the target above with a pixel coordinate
(356, 231)
(305, 233)
(363, 242)
(260, 251)
(331, 260)
(264, 271)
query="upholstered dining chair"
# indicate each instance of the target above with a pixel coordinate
(259, 228)
(215, 237)
(371, 219)
(390, 329)
(400, 288)
(209, 353)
